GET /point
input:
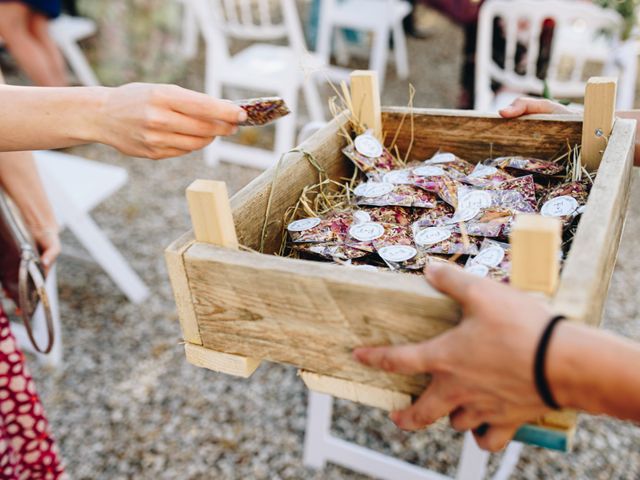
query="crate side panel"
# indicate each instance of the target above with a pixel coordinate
(587, 272)
(309, 314)
(294, 172)
(476, 137)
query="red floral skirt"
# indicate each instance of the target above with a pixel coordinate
(27, 450)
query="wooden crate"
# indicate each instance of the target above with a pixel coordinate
(255, 307)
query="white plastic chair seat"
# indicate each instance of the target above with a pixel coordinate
(86, 182)
(76, 28)
(272, 64)
(365, 15)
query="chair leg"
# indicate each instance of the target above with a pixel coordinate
(312, 99)
(380, 53)
(189, 44)
(509, 461)
(473, 461)
(286, 127)
(108, 257)
(78, 63)
(319, 412)
(400, 49)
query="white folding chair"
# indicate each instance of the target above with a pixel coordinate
(75, 186)
(67, 31)
(321, 447)
(583, 35)
(383, 18)
(262, 67)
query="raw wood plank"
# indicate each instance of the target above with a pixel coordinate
(356, 392)
(180, 284)
(476, 137)
(220, 362)
(212, 221)
(585, 276)
(365, 100)
(288, 179)
(535, 248)
(311, 314)
(211, 213)
(599, 111)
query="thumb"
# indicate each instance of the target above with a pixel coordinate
(452, 281)
(516, 109)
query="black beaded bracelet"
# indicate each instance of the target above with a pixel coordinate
(542, 384)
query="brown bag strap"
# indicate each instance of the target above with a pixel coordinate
(30, 272)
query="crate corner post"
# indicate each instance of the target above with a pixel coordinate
(212, 223)
(536, 243)
(365, 100)
(599, 114)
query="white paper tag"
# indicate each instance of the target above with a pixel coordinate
(482, 171)
(477, 269)
(442, 158)
(397, 253)
(368, 145)
(303, 224)
(373, 189)
(464, 215)
(560, 207)
(360, 216)
(429, 171)
(432, 235)
(474, 199)
(365, 232)
(397, 177)
(491, 256)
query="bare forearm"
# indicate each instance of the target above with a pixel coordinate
(34, 118)
(21, 180)
(595, 371)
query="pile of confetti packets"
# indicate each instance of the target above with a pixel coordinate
(402, 216)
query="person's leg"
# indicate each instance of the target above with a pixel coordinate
(39, 28)
(28, 53)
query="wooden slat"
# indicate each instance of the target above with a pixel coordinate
(587, 271)
(211, 213)
(180, 284)
(220, 362)
(365, 99)
(310, 314)
(288, 179)
(536, 243)
(356, 392)
(212, 222)
(599, 111)
(475, 136)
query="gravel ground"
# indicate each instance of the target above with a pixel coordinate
(125, 404)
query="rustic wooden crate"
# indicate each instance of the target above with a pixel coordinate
(312, 315)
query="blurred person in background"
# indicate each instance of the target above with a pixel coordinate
(24, 28)
(140, 120)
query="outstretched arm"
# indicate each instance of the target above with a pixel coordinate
(482, 370)
(141, 120)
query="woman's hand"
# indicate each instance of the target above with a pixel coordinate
(48, 242)
(482, 370)
(160, 121)
(527, 106)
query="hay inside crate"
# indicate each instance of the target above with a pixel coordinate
(311, 314)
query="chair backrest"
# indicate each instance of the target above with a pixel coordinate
(579, 33)
(257, 20)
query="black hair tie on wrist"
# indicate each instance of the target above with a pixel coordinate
(542, 384)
